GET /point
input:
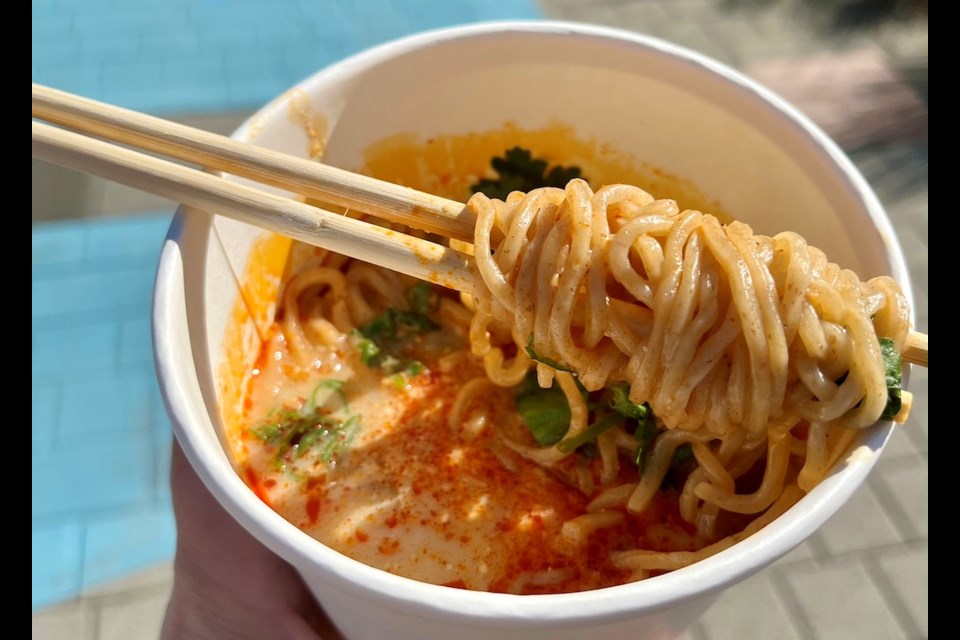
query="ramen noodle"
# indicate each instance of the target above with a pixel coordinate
(628, 389)
(751, 350)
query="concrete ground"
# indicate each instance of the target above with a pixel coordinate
(862, 576)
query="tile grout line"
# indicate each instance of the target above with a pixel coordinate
(789, 599)
(697, 632)
(87, 317)
(83, 554)
(57, 411)
(158, 472)
(96, 512)
(856, 555)
(126, 596)
(97, 618)
(818, 547)
(866, 558)
(884, 494)
(892, 599)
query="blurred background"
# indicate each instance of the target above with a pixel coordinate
(103, 532)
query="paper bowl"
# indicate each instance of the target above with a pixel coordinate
(685, 113)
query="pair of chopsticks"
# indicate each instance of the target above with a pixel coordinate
(393, 250)
(208, 192)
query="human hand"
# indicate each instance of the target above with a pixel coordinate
(226, 583)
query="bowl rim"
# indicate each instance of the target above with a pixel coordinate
(494, 609)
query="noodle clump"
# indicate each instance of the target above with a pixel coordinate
(744, 346)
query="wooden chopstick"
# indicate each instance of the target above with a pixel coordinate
(331, 185)
(390, 249)
(384, 247)
(915, 348)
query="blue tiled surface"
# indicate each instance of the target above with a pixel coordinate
(90, 294)
(93, 478)
(101, 440)
(171, 56)
(66, 349)
(57, 561)
(114, 544)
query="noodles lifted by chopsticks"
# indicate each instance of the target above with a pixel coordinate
(747, 348)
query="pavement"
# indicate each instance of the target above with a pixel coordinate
(103, 533)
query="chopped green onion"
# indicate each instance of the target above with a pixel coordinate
(395, 325)
(334, 387)
(423, 298)
(367, 347)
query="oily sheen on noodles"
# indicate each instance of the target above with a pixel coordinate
(733, 339)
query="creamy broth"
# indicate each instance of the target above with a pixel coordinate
(410, 496)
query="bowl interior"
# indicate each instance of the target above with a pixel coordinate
(662, 105)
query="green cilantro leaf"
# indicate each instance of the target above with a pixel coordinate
(894, 374)
(545, 411)
(518, 170)
(621, 403)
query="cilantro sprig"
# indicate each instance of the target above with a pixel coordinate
(545, 411)
(547, 416)
(519, 171)
(894, 374)
(646, 430)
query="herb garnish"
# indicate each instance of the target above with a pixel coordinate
(382, 342)
(675, 472)
(547, 415)
(545, 411)
(590, 433)
(322, 392)
(312, 429)
(394, 325)
(621, 403)
(367, 347)
(545, 360)
(645, 431)
(423, 298)
(329, 438)
(894, 374)
(519, 171)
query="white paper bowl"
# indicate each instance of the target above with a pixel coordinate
(683, 112)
